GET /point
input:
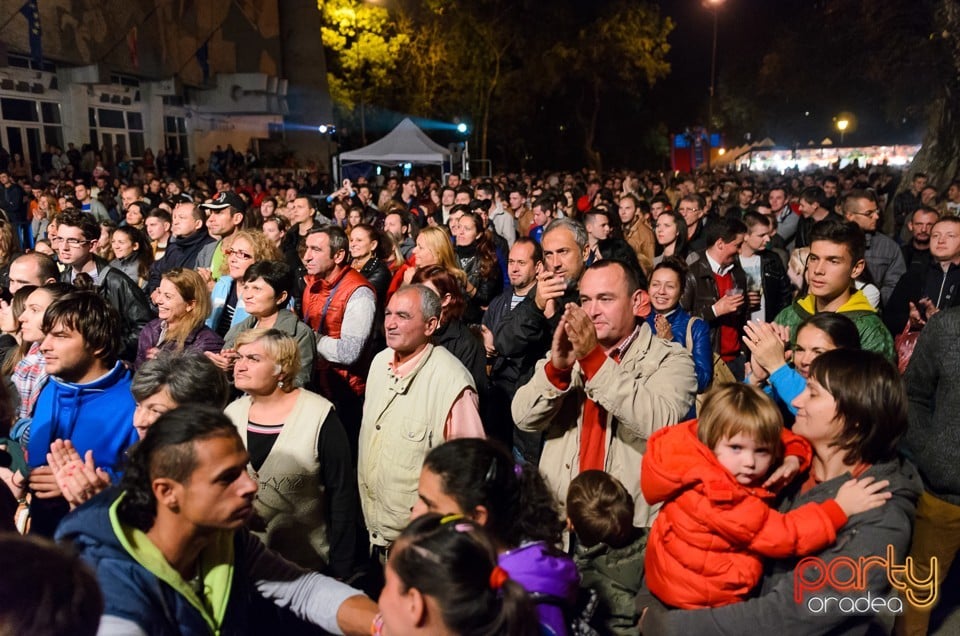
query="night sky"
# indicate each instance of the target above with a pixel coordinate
(746, 30)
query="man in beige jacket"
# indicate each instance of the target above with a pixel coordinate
(607, 384)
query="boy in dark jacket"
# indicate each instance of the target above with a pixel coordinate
(609, 550)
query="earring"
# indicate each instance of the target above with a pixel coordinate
(280, 384)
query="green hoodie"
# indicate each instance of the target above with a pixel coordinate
(873, 333)
(216, 568)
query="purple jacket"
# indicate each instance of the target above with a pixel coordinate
(549, 577)
(200, 339)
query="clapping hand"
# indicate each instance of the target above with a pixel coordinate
(664, 330)
(78, 479)
(580, 330)
(768, 352)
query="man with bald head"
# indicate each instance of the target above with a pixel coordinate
(32, 269)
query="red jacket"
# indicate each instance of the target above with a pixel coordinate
(707, 543)
(326, 318)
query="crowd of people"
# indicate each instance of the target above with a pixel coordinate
(565, 403)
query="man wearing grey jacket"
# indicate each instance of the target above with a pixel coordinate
(933, 387)
(884, 259)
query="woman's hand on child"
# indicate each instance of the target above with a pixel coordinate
(784, 474)
(861, 495)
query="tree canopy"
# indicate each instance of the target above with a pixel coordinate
(500, 65)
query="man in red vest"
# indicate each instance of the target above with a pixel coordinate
(339, 304)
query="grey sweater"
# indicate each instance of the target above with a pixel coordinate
(933, 386)
(775, 610)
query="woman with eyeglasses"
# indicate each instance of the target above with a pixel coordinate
(265, 290)
(443, 578)
(182, 306)
(246, 248)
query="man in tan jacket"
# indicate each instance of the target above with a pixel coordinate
(607, 384)
(634, 218)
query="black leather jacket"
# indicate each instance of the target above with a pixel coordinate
(127, 298)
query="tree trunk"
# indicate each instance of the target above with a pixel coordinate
(594, 160)
(939, 157)
(487, 98)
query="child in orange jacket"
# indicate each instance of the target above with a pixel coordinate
(715, 477)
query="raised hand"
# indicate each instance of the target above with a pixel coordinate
(561, 349)
(579, 329)
(550, 287)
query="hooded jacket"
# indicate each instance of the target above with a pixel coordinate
(706, 546)
(616, 575)
(97, 416)
(549, 577)
(144, 594)
(873, 334)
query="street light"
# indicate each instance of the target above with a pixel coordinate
(462, 128)
(842, 125)
(713, 5)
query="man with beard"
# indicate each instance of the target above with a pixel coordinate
(399, 225)
(920, 223)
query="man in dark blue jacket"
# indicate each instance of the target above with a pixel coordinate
(171, 550)
(189, 237)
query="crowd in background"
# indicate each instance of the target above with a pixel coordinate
(605, 399)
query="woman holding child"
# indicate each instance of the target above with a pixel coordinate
(853, 413)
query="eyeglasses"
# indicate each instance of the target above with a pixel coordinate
(72, 242)
(873, 212)
(239, 253)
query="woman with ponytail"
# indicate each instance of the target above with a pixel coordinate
(443, 578)
(480, 480)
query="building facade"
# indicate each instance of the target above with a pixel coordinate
(188, 75)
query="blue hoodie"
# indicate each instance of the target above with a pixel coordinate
(96, 416)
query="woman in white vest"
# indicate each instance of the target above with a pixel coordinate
(299, 456)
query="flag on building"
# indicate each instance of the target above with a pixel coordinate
(31, 12)
(132, 48)
(203, 59)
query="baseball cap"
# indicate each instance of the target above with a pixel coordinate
(226, 199)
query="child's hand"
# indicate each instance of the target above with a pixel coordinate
(860, 495)
(784, 474)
